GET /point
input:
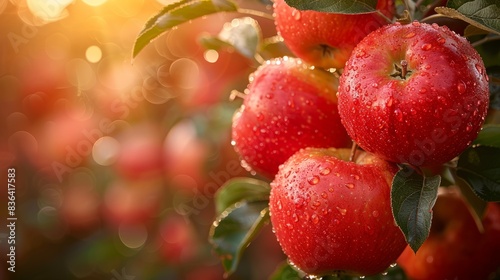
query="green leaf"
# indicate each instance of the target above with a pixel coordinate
(489, 136)
(480, 168)
(336, 6)
(234, 229)
(285, 272)
(412, 199)
(244, 34)
(178, 13)
(239, 190)
(484, 14)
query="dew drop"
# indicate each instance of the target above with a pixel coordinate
(295, 217)
(375, 213)
(325, 171)
(313, 180)
(336, 222)
(330, 190)
(426, 47)
(393, 265)
(398, 114)
(479, 69)
(468, 128)
(279, 205)
(289, 226)
(342, 211)
(314, 218)
(415, 23)
(410, 35)
(287, 174)
(260, 116)
(461, 87)
(375, 85)
(441, 40)
(324, 195)
(390, 101)
(296, 14)
(350, 186)
(269, 96)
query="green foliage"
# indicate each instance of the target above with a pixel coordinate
(244, 34)
(412, 199)
(238, 190)
(235, 228)
(484, 14)
(178, 13)
(489, 136)
(480, 167)
(336, 6)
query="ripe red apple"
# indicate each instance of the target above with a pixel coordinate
(177, 240)
(326, 39)
(132, 202)
(288, 106)
(455, 249)
(140, 155)
(331, 215)
(414, 93)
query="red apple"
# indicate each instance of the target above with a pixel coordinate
(178, 240)
(132, 202)
(326, 39)
(414, 93)
(455, 249)
(140, 155)
(332, 216)
(288, 106)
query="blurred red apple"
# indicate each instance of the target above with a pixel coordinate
(455, 249)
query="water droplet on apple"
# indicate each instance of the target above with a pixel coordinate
(393, 265)
(269, 96)
(295, 217)
(313, 180)
(375, 213)
(461, 87)
(314, 218)
(422, 90)
(398, 114)
(374, 85)
(280, 206)
(324, 195)
(299, 203)
(330, 190)
(325, 171)
(435, 26)
(415, 23)
(316, 204)
(342, 211)
(296, 14)
(289, 226)
(413, 111)
(233, 143)
(426, 47)
(468, 128)
(410, 35)
(479, 69)
(349, 186)
(385, 273)
(441, 40)
(390, 101)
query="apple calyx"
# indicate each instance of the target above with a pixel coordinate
(401, 70)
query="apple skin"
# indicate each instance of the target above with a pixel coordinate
(429, 117)
(455, 249)
(325, 39)
(333, 216)
(288, 106)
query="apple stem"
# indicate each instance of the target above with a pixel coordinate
(354, 148)
(404, 68)
(236, 94)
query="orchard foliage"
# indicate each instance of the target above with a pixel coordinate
(242, 204)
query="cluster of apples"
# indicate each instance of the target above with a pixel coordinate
(405, 93)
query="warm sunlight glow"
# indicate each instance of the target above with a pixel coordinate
(94, 3)
(48, 10)
(93, 54)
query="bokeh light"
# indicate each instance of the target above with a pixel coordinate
(93, 54)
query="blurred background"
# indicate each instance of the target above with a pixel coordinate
(117, 160)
